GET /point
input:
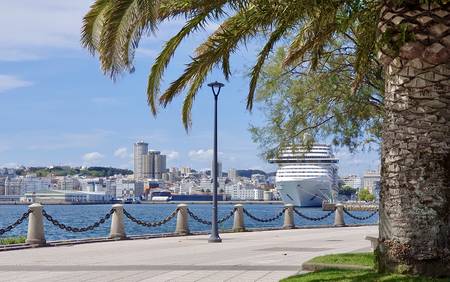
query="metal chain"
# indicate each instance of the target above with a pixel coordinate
(313, 218)
(16, 223)
(198, 219)
(150, 224)
(358, 217)
(77, 229)
(207, 222)
(227, 217)
(264, 219)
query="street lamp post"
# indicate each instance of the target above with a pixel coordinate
(214, 237)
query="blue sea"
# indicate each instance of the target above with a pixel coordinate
(83, 215)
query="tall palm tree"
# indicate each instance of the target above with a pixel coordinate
(410, 38)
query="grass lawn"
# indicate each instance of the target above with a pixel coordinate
(12, 240)
(364, 259)
(355, 276)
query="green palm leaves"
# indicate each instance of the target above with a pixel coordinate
(113, 28)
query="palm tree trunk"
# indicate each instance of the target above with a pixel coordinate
(415, 194)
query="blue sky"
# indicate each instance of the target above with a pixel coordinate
(57, 108)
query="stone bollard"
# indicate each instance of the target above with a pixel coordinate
(182, 220)
(117, 224)
(238, 223)
(36, 235)
(289, 217)
(339, 215)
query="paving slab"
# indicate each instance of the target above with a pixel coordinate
(247, 256)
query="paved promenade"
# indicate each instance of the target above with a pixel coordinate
(250, 256)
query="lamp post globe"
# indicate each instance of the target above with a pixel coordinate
(214, 237)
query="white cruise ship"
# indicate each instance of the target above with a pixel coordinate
(306, 178)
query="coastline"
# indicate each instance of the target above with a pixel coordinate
(148, 203)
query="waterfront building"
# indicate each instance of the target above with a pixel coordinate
(13, 186)
(126, 189)
(244, 191)
(20, 185)
(66, 197)
(370, 179)
(353, 181)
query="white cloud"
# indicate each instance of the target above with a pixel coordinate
(171, 155)
(44, 23)
(9, 82)
(8, 55)
(202, 155)
(92, 157)
(121, 153)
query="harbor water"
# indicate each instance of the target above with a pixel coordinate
(84, 215)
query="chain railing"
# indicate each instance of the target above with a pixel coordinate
(313, 218)
(207, 222)
(36, 214)
(265, 220)
(148, 223)
(16, 223)
(360, 217)
(77, 229)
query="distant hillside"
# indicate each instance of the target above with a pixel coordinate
(66, 170)
(249, 172)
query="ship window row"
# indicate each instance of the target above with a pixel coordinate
(303, 176)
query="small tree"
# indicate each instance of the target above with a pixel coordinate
(365, 195)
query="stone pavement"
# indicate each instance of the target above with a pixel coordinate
(249, 256)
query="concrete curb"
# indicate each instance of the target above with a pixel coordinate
(310, 266)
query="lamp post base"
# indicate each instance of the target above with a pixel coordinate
(214, 239)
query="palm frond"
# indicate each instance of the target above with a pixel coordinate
(263, 54)
(92, 25)
(167, 53)
(122, 21)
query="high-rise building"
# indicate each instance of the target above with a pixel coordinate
(148, 164)
(140, 150)
(370, 180)
(219, 169)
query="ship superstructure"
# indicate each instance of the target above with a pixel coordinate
(306, 176)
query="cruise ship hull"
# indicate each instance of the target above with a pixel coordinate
(309, 192)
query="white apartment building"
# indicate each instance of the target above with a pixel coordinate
(353, 181)
(68, 183)
(244, 191)
(126, 189)
(28, 184)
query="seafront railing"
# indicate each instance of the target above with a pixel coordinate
(36, 215)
